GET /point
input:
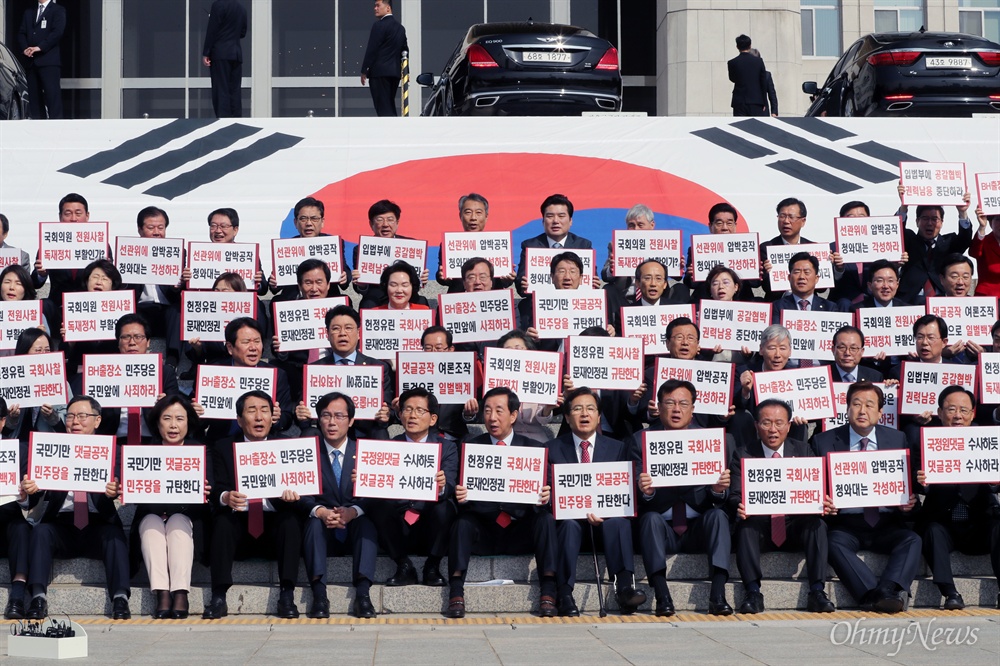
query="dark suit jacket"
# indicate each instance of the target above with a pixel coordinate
(794, 448)
(227, 25)
(104, 505)
(47, 39)
(514, 510)
(386, 43)
(765, 282)
(869, 302)
(940, 499)
(218, 429)
(571, 242)
(790, 302)
(224, 471)
(924, 263)
(749, 77)
(772, 95)
(333, 495)
(862, 372)
(562, 451)
(291, 292)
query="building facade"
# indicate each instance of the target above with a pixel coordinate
(138, 58)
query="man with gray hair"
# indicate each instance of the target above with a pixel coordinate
(775, 350)
(473, 211)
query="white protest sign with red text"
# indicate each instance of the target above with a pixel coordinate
(732, 325)
(921, 383)
(218, 387)
(779, 255)
(535, 376)
(713, 382)
(783, 486)
(123, 380)
(205, 314)
(450, 376)
(862, 240)
(649, 323)
(288, 253)
(267, 469)
(397, 470)
(508, 474)
(690, 457)
(478, 316)
(376, 253)
(150, 260)
(384, 333)
(539, 267)
(737, 251)
(933, 183)
(69, 245)
(808, 390)
(301, 324)
(15, 318)
(33, 380)
(9, 256)
(632, 247)
(208, 261)
(604, 363)
(161, 474)
(969, 318)
(988, 189)
(989, 378)
(361, 383)
(603, 489)
(459, 247)
(961, 455)
(92, 315)
(889, 330)
(560, 313)
(869, 478)
(10, 467)
(812, 332)
(73, 463)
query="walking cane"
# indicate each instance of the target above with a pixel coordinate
(597, 573)
(406, 84)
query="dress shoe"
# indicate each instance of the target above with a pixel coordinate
(819, 603)
(38, 609)
(567, 607)
(405, 574)
(287, 610)
(665, 607)
(14, 610)
(120, 609)
(456, 608)
(162, 611)
(433, 577)
(363, 607)
(180, 605)
(719, 607)
(954, 601)
(547, 607)
(215, 610)
(752, 604)
(888, 602)
(629, 599)
(319, 610)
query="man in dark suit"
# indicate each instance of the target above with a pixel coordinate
(403, 525)
(721, 220)
(963, 517)
(382, 65)
(583, 444)
(474, 211)
(749, 77)
(848, 348)
(383, 218)
(651, 288)
(245, 528)
(803, 274)
(335, 520)
(683, 518)
(42, 28)
(789, 533)
(880, 529)
(343, 326)
(223, 54)
(557, 219)
(791, 219)
(883, 283)
(491, 528)
(927, 247)
(308, 216)
(66, 527)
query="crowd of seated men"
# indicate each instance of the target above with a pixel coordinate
(590, 426)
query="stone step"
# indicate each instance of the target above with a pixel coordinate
(68, 599)
(518, 568)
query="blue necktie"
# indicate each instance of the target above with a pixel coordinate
(337, 469)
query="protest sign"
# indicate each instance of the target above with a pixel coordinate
(632, 247)
(92, 315)
(288, 253)
(163, 474)
(737, 251)
(301, 324)
(507, 474)
(812, 331)
(649, 323)
(361, 383)
(72, 463)
(783, 486)
(375, 254)
(863, 240)
(559, 313)
(397, 470)
(150, 261)
(218, 387)
(779, 256)
(478, 316)
(713, 382)
(123, 380)
(266, 469)
(207, 261)
(692, 457)
(603, 489)
(961, 455)
(933, 183)
(10, 467)
(889, 330)
(205, 314)
(459, 247)
(969, 318)
(988, 189)
(450, 376)
(604, 363)
(71, 245)
(33, 380)
(808, 390)
(860, 479)
(732, 325)
(535, 376)
(384, 333)
(921, 383)
(15, 318)
(539, 267)
(989, 378)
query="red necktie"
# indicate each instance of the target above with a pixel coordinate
(777, 523)
(81, 512)
(503, 518)
(680, 518)
(255, 521)
(585, 451)
(313, 356)
(134, 428)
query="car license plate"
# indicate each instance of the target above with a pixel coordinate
(545, 56)
(937, 62)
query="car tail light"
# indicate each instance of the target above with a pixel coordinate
(990, 58)
(480, 57)
(994, 96)
(609, 61)
(898, 58)
(897, 98)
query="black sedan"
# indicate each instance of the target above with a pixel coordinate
(911, 74)
(526, 69)
(13, 87)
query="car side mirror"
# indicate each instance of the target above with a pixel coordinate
(809, 88)
(425, 79)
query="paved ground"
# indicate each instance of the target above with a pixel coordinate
(971, 639)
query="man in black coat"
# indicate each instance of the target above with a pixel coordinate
(38, 40)
(491, 528)
(382, 66)
(803, 275)
(557, 220)
(848, 348)
(223, 54)
(749, 77)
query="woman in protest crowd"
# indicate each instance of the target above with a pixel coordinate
(15, 285)
(985, 249)
(171, 536)
(214, 353)
(533, 419)
(401, 282)
(100, 275)
(725, 285)
(47, 418)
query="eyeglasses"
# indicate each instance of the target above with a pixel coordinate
(82, 416)
(854, 349)
(132, 338)
(419, 411)
(435, 348)
(786, 216)
(305, 218)
(336, 416)
(767, 425)
(580, 409)
(220, 227)
(927, 338)
(684, 338)
(951, 411)
(683, 404)
(924, 218)
(885, 281)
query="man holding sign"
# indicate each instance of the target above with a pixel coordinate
(880, 529)
(791, 219)
(383, 218)
(557, 220)
(492, 528)
(244, 527)
(789, 533)
(957, 516)
(803, 275)
(473, 211)
(68, 526)
(683, 518)
(308, 218)
(583, 444)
